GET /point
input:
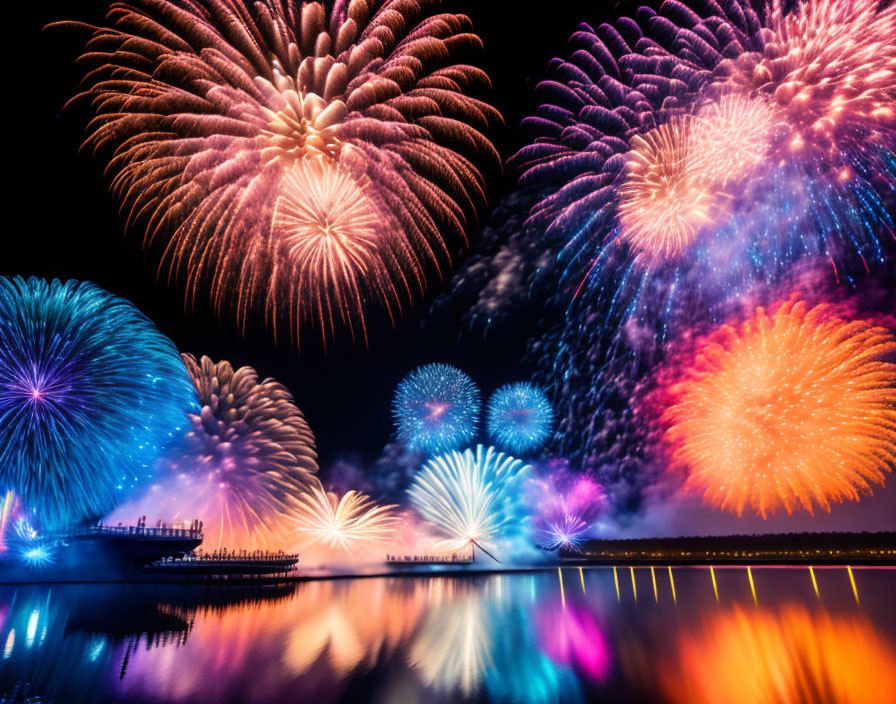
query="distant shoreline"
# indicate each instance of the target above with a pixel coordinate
(768, 549)
(865, 550)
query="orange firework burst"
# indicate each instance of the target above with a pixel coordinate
(352, 522)
(314, 159)
(679, 174)
(830, 64)
(793, 407)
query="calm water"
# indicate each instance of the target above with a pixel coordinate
(510, 638)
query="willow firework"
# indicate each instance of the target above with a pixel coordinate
(347, 523)
(436, 408)
(247, 459)
(91, 393)
(519, 417)
(470, 498)
(307, 160)
(796, 406)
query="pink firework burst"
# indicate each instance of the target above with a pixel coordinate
(311, 162)
(564, 507)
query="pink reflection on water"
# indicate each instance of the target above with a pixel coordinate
(569, 635)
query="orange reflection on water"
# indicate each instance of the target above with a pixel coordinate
(783, 656)
(351, 624)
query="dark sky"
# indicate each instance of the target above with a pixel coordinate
(71, 228)
(68, 227)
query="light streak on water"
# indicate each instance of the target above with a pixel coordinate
(814, 583)
(672, 583)
(31, 630)
(656, 597)
(634, 586)
(752, 585)
(562, 593)
(616, 580)
(715, 588)
(852, 581)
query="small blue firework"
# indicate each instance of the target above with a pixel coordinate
(37, 555)
(520, 418)
(90, 395)
(436, 409)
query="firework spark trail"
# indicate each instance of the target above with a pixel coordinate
(519, 418)
(248, 457)
(91, 393)
(315, 162)
(436, 408)
(348, 524)
(793, 406)
(470, 498)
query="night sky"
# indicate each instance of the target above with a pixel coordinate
(69, 228)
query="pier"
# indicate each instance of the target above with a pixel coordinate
(241, 565)
(414, 560)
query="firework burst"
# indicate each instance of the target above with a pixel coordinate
(828, 67)
(241, 469)
(519, 417)
(347, 523)
(671, 181)
(680, 175)
(309, 160)
(470, 498)
(564, 508)
(830, 64)
(436, 408)
(796, 406)
(91, 393)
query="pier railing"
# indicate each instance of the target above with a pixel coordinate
(441, 559)
(238, 556)
(135, 531)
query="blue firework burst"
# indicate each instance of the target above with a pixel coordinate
(436, 408)
(520, 417)
(90, 394)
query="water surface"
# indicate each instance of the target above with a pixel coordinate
(577, 635)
